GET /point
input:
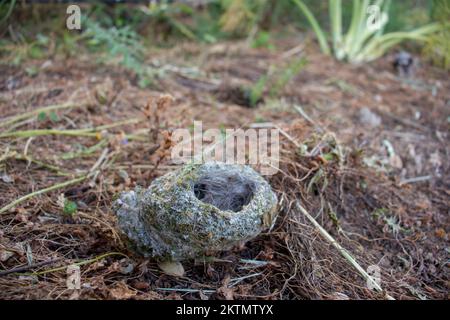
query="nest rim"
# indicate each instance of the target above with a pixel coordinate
(249, 173)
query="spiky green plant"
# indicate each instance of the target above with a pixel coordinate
(121, 43)
(365, 39)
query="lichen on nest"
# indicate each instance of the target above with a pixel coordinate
(197, 209)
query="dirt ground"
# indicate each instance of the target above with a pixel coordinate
(374, 172)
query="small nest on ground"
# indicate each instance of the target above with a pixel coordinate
(399, 229)
(197, 209)
(225, 190)
(293, 261)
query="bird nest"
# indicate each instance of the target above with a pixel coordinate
(197, 209)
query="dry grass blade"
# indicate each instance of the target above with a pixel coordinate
(81, 263)
(36, 193)
(343, 251)
(37, 111)
(91, 132)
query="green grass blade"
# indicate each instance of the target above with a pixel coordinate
(335, 8)
(378, 46)
(315, 25)
(357, 37)
(352, 30)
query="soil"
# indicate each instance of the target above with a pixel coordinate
(376, 175)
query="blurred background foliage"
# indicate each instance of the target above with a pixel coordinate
(122, 31)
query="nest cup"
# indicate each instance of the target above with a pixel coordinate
(197, 209)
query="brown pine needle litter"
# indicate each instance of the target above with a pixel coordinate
(338, 217)
(302, 259)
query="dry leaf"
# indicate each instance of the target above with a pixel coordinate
(7, 178)
(224, 290)
(227, 293)
(172, 268)
(121, 291)
(395, 161)
(440, 233)
(203, 296)
(5, 255)
(141, 285)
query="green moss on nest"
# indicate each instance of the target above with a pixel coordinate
(168, 220)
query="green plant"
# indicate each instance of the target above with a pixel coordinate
(262, 40)
(242, 17)
(365, 39)
(120, 42)
(123, 43)
(7, 9)
(17, 51)
(286, 75)
(237, 17)
(276, 78)
(257, 90)
(42, 116)
(437, 48)
(165, 13)
(70, 207)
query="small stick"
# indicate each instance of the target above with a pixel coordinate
(99, 160)
(56, 169)
(90, 132)
(186, 290)
(416, 179)
(284, 133)
(293, 51)
(405, 121)
(300, 110)
(28, 267)
(85, 152)
(81, 263)
(118, 124)
(37, 111)
(43, 132)
(342, 251)
(235, 281)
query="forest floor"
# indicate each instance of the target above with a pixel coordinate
(363, 150)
